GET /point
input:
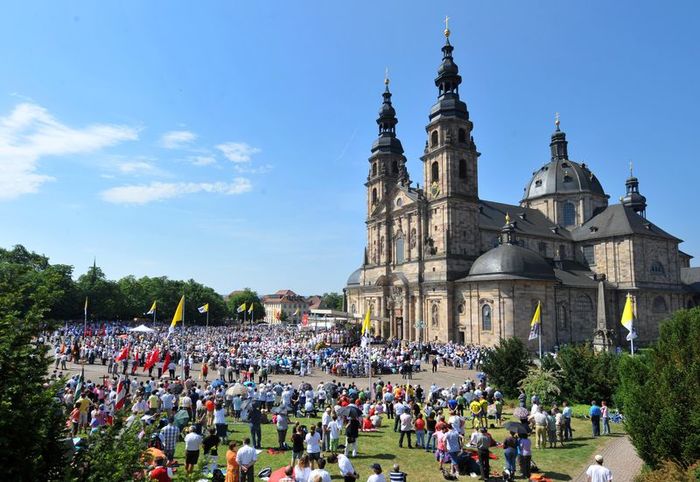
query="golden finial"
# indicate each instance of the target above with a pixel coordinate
(447, 26)
(507, 218)
(386, 76)
(556, 119)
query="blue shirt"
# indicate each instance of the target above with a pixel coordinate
(595, 411)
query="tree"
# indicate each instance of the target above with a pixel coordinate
(31, 419)
(507, 364)
(247, 296)
(660, 393)
(332, 301)
(586, 374)
(542, 382)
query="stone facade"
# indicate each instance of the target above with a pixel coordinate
(417, 278)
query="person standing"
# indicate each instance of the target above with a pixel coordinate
(598, 472)
(510, 452)
(420, 431)
(193, 443)
(406, 425)
(525, 455)
(606, 417)
(430, 424)
(169, 435)
(483, 442)
(453, 446)
(313, 445)
(245, 458)
(540, 419)
(566, 413)
(595, 414)
(282, 425)
(254, 420)
(352, 431)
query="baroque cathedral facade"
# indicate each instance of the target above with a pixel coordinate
(443, 264)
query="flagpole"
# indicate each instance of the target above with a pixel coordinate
(634, 302)
(182, 354)
(154, 316)
(207, 318)
(539, 333)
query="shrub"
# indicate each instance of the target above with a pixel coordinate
(506, 365)
(660, 394)
(586, 374)
(541, 382)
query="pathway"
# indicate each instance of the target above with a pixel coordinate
(619, 456)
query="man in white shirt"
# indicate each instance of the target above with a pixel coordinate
(406, 423)
(597, 472)
(347, 471)
(193, 443)
(325, 420)
(246, 458)
(377, 476)
(321, 471)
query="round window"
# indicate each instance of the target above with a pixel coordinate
(399, 202)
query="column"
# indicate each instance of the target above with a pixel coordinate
(420, 316)
(406, 317)
(381, 315)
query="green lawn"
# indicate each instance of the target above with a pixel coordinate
(382, 447)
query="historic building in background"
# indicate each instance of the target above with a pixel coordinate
(443, 264)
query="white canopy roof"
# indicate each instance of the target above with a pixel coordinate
(142, 329)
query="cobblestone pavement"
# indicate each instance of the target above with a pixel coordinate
(621, 458)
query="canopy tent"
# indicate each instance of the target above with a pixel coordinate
(142, 329)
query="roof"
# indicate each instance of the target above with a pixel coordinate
(354, 278)
(562, 176)
(691, 278)
(508, 262)
(575, 275)
(527, 221)
(618, 220)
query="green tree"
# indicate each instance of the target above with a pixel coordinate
(586, 374)
(31, 419)
(660, 393)
(507, 364)
(247, 296)
(541, 382)
(332, 301)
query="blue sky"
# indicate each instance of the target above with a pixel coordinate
(228, 141)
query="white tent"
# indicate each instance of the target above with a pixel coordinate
(142, 329)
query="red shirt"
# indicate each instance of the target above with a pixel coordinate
(439, 425)
(160, 474)
(420, 424)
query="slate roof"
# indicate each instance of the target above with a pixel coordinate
(691, 278)
(510, 261)
(493, 217)
(618, 220)
(562, 176)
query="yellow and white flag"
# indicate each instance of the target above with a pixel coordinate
(178, 316)
(86, 305)
(628, 319)
(536, 322)
(250, 308)
(241, 308)
(366, 324)
(203, 308)
(153, 308)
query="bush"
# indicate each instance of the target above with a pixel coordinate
(586, 374)
(670, 471)
(660, 394)
(543, 383)
(506, 365)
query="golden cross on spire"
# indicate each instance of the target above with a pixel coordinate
(447, 26)
(386, 75)
(631, 169)
(556, 119)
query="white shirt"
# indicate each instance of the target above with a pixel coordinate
(345, 466)
(220, 416)
(326, 419)
(598, 473)
(325, 476)
(406, 422)
(193, 441)
(246, 455)
(302, 474)
(334, 429)
(312, 443)
(376, 478)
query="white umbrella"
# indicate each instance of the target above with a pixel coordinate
(142, 329)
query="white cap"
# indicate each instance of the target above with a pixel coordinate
(599, 458)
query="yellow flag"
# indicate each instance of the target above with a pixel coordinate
(153, 308)
(628, 314)
(241, 308)
(535, 323)
(178, 316)
(203, 308)
(366, 323)
(250, 309)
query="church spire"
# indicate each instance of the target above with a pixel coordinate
(508, 232)
(386, 121)
(633, 199)
(447, 82)
(558, 145)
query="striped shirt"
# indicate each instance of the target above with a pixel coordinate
(397, 476)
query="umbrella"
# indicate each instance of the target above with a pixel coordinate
(142, 329)
(481, 375)
(237, 389)
(521, 412)
(305, 386)
(217, 383)
(176, 389)
(330, 387)
(249, 384)
(279, 409)
(349, 411)
(516, 427)
(182, 418)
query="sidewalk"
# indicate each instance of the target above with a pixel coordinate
(619, 456)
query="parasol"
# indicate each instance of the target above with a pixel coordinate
(237, 389)
(181, 419)
(279, 409)
(305, 386)
(217, 383)
(349, 411)
(521, 412)
(249, 384)
(516, 427)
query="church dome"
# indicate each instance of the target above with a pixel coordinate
(562, 176)
(354, 278)
(510, 261)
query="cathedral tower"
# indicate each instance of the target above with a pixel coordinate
(450, 171)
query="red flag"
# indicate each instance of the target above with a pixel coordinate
(152, 359)
(166, 362)
(124, 354)
(121, 395)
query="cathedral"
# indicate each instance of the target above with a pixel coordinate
(442, 264)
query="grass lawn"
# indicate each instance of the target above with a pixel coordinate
(382, 447)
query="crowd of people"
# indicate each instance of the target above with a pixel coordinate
(236, 380)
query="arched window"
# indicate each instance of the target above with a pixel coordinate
(659, 305)
(395, 167)
(569, 214)
(563, 317)
(374, 168)
(435, 172)
(542, 247)
(486, 318)
(399, 250)
(462, 135)
(657, 268)
(374, 195)
(462, 169)
(434, 139)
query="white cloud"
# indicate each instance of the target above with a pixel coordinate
(246, 169)
(203, 160)
(237, 151)
(177, 139)
(158, 191)
(136, 167)
(30, 132)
